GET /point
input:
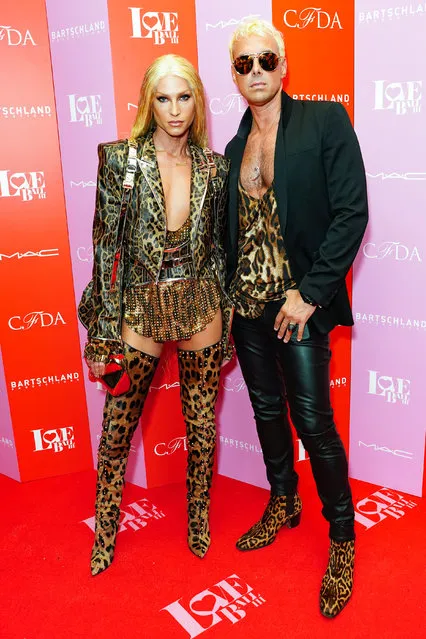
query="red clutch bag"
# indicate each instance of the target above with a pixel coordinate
(116, 379)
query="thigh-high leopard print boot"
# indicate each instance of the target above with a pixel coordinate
(199, 373)
(121, 416)
(337, 583)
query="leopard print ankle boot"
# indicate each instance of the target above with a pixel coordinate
(281, 510)
(199, 373)
(337, 583)
(121, 416)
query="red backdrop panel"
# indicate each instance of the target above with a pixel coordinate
(38, 320)
(138, 36)
(320, 52)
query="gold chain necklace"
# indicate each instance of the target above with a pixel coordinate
(186, 163)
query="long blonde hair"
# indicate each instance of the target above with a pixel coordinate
(171, 64)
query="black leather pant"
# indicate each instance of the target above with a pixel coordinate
(297, 374)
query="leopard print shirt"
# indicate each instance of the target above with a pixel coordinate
(263, 273)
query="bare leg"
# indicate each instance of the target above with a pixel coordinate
(143, 344)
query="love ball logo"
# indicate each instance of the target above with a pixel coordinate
(55, 439)
(159, 26)
(392, 389)
(384, 503)
(229, 599)
(400, 97)
(133, 517)
(28, 186)
(86, 109)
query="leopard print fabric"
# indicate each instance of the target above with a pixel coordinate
(337, 583)
(263, 273)
(281, 510)
(105, 303)
(199, 373)
(179, 305)
(107, 509)
(122, 413)
(144, 234)
(121, 417)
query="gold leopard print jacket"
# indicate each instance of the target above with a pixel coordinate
(147, 205)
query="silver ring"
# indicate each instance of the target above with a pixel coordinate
(291, 327)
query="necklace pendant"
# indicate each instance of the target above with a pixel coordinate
(256, 173)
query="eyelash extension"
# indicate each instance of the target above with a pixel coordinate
(161, 98)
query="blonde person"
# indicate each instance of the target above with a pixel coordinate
(297, 214)
(162, 282)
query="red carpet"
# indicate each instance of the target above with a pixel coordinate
(47, 591)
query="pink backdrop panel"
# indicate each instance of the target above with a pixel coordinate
(216, 22)
(81, 59)
(8, 457)
(389, 340)
(239, 452)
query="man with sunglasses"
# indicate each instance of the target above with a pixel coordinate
(297, 214)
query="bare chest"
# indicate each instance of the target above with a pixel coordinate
(176, 181)
(257, 168)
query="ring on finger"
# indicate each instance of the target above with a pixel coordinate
(291, 326)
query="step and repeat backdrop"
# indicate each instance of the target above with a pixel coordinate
(71, 74)
(389, 339)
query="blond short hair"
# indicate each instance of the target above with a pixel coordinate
(171, 64)
(254, 26)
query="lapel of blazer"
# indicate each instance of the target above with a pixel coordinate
(200, 173)
(199, 182)
(236, 153)
(234, 175)
(280, 161)
(148, 164)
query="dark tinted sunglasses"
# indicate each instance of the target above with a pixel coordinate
(268, 61)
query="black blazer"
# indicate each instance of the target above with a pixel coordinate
(319, 183)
